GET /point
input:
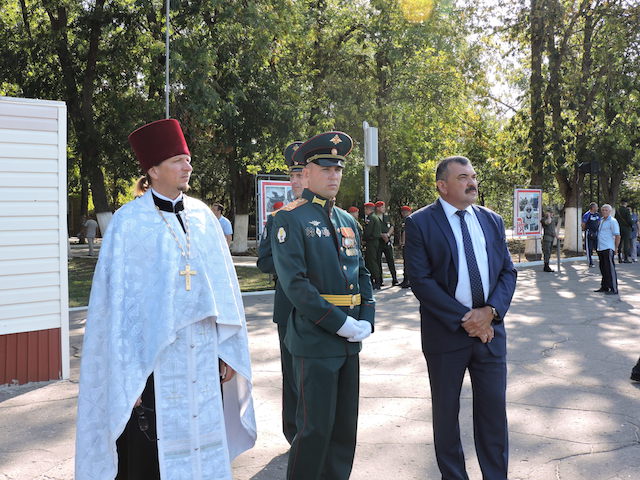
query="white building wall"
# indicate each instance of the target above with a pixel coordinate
(33, 218)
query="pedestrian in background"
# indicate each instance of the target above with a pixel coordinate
(225, 223)
(634, 234)
(623, 216)
(608, 243)
(90, 233)
(590, 225)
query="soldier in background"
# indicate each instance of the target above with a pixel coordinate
(372, 239)
(354, 212)
(548, 236)
(405, 211)
(281, 304)
(386, 244)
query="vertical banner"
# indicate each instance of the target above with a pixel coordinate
(527, 209)
(271, 192)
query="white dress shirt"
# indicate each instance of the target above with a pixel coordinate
(463, 289)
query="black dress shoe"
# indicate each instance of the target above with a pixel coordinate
(635, 375)
(547, 268)
(602, 289)
(394, 283)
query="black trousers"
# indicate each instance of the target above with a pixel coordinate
(327, 418)
(137, 452)
(590, 244)
(608, 270)
(289, 390)
(489, 383)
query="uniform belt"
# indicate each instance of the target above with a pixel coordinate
(343, 300)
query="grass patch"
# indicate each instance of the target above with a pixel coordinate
(80, 273)
(81, 269)
(251, 279)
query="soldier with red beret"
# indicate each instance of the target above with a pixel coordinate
(386, 242)
(372, 237)
(405, 211)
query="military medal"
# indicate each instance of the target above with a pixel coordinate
(187, 272)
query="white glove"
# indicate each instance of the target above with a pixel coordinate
(365, 331)
(349, 328)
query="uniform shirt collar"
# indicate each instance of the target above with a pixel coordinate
(450, 210)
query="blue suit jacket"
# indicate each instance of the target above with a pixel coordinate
(431, 256)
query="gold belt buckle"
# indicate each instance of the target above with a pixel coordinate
(354, 298)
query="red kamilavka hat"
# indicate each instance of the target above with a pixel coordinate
(154, 142)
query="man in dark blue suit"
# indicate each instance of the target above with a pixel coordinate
(461, 272)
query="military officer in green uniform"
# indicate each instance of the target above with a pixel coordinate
(386, 242)
(281, 305)
(319, 265)
(372, 239)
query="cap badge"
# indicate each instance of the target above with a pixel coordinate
(334, 151)
(336, 139)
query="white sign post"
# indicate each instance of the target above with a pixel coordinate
(370, 154)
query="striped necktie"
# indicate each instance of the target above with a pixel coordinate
(477, 292)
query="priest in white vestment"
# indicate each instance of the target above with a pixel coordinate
(166, 340)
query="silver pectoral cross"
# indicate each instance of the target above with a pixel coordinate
(187, 272)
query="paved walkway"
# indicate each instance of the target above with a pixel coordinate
(573, 413)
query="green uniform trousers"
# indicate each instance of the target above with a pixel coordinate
(289, 390)
(327, 418)
(387, 250)
(372, 262)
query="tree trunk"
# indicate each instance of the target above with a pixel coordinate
(585, 97)
(241, 198)
(537, 135)
(80, 103)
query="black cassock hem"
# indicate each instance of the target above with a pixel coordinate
(137, 455)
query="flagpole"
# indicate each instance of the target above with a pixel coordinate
(166, 66)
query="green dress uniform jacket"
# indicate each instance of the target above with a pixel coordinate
(316, 251)
(282, 308)
(281, 305)
(319, 264)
